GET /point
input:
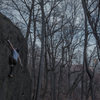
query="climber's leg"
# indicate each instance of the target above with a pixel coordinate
(11, 71)
(12, 64)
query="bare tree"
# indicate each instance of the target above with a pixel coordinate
(92, 11)
(40, 73)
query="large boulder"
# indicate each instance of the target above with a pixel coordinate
(18, 87)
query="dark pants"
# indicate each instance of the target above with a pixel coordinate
(12, 63)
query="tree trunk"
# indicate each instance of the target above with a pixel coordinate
(90, 73)
(69, 79)
(40, 73)
(53, 88)
(60, 75)
(34, 55)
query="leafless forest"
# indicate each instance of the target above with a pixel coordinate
(63, 40)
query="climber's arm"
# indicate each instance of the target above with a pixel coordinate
(10, 44)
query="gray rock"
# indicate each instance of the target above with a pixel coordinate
(18, 87)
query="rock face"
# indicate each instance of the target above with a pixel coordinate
(18, 87)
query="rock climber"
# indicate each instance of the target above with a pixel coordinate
(14, 58)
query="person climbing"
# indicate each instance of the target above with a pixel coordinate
(14, 58)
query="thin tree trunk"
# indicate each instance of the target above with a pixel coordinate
(40, 73)
(29, 22)
(92, 89)
(86, 86)
(33, 54)
(68, 76)
(45, 69)
(60, 76)
(53, 88)
(82, 84)
(90, 74)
